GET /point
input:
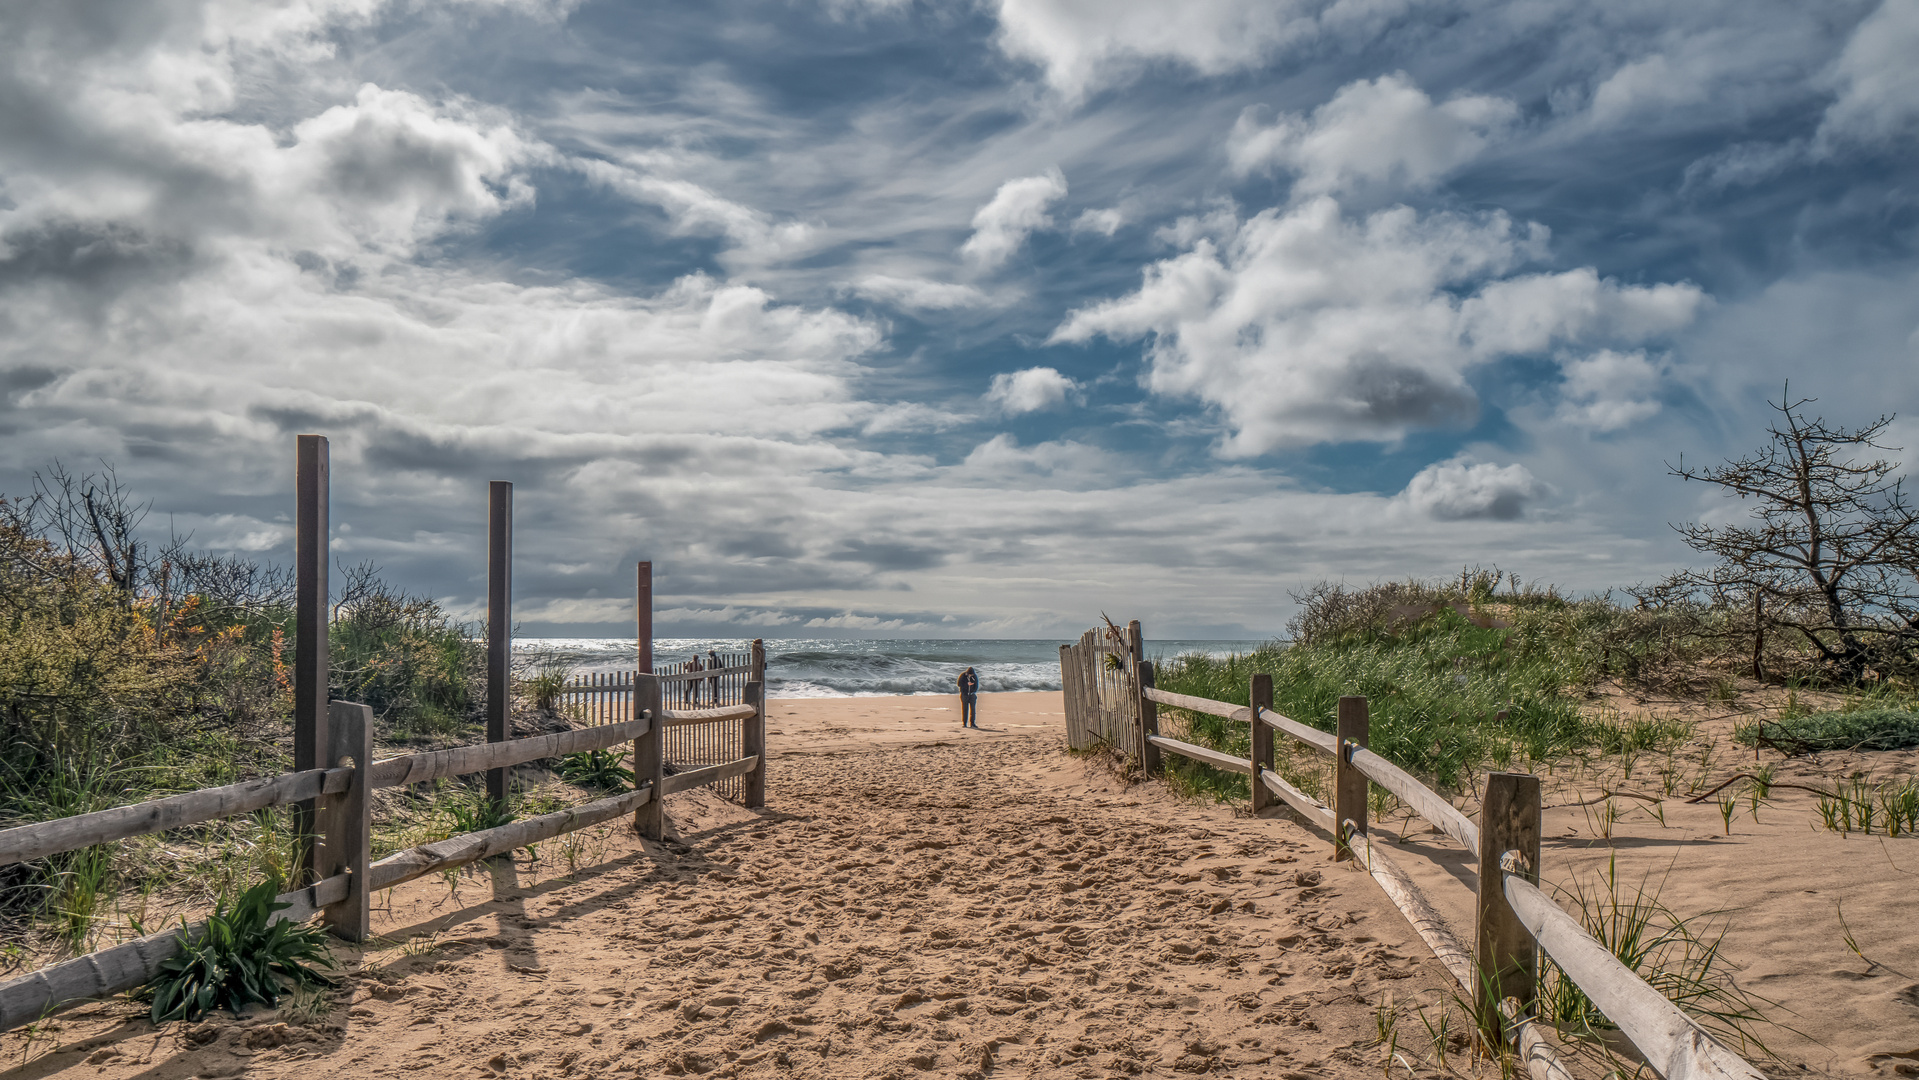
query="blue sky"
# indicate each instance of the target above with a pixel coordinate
(888, 317)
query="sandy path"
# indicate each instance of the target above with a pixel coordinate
(986, 907)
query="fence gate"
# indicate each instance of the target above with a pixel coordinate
(607, 698)
(1096, 676)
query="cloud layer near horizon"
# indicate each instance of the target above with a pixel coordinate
(888, 335)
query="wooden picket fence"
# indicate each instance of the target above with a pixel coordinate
(1514, 918)
(725, 679)
(335, 774)
(1094, 681)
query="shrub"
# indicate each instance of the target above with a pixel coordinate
(1875, 728)
(243, 957)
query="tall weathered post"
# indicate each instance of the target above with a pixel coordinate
(1131, 729)
(1260, 696)
(649, 750)
(1349, 784)
(310, 625)
(499, 625)
(644, 616)
(753, 734)
(1504, 952)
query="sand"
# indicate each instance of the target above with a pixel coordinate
(918, 899)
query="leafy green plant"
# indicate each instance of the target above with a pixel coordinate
(243, 957)
(1870, 728)
(597, 769)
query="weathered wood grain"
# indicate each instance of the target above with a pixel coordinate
(1675, 1046)
(1504, 950)
(1426, 801)
(1312, 809)
(1260, 694)
(1349, 784)
(418, 768)
(693, 778)
(1200, 753)
(675, 717)
(346, 836)
(1542, 1061)
(404, 866)
(24, 842)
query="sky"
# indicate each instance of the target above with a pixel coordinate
(890, 318)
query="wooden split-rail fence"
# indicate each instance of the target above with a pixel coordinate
(335, 773)
(1513, 918)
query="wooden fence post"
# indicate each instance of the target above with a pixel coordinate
(1349, 784)
(499, 625)
(347, 825)
(643, 602)
(311, 622)
(753, 734)
(1261, 697)
(649, 755)
(1505, 955)
(1149, 763)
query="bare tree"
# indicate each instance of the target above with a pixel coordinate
(96, 520)
(1832, 555)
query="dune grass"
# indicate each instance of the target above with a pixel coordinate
(1446, 698)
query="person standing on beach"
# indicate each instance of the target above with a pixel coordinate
(693, 685)
(713, 682)
(969, 698)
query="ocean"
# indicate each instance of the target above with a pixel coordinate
(828, 667)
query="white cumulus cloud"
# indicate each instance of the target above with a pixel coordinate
(1385, 132)
(1463, 489)
(1609, 390)
(1017, 210)
(1305, 326)
(1030, 390)
(1082, 44)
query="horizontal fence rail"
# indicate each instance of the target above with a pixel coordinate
(23, 843)
(403, 866)
(1672, 1043)
(1200, 753)
(482, 757)
(1675, 1046)
(134, 963)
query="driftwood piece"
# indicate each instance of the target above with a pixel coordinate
(24, 842)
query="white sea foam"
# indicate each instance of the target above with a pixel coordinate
(824, 667)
